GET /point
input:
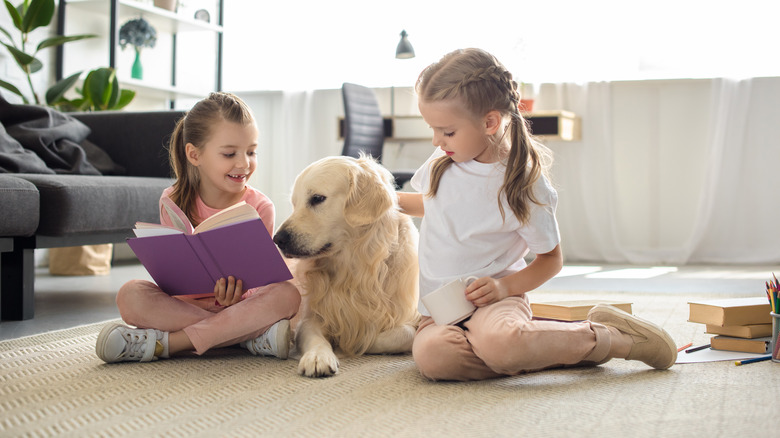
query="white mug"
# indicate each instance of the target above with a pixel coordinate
(448, 304)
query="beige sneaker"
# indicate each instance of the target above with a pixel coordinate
(652, 344)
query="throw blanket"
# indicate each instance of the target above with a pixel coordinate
(37, 139)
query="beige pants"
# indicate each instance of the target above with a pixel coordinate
(502, 339)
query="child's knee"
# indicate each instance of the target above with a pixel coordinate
(292, 297)
(129, 299)
(437, 357)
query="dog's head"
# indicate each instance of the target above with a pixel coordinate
(331, 198)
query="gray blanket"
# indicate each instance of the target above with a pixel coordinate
(37, 139)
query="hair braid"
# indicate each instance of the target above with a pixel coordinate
(482, 84)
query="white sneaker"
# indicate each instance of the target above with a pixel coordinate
(119, 343)
(274, 342)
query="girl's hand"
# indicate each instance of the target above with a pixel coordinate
(228, 292)
(486, 290)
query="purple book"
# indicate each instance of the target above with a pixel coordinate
(185, 264)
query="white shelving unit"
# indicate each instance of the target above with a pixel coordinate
(165, 22)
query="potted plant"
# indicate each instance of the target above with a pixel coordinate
(139, 34)
(28, 16)
(99, 92)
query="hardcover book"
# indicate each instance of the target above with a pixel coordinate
(184, 260)
(758, 345)
(575, 310)
(731, 311)
(741, 331)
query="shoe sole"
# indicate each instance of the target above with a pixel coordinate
(283, 339)
(617, 318)
(100, 345)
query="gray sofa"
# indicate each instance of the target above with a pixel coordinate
(56, 210)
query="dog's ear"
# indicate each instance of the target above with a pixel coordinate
(369, 196)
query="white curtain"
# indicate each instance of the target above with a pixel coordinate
(631, 191)
(287, 142)
(744, 198)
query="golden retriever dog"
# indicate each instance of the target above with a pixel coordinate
(357, 263)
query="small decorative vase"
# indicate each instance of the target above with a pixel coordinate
(170, 5)
(138, 69)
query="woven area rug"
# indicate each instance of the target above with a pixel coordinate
(54, 385)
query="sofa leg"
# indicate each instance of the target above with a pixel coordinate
(17, 281)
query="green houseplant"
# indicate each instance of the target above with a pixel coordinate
(101, 89)
(99, 92)
(139, 34)
(28, 16)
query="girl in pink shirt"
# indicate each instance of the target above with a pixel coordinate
(212, 154)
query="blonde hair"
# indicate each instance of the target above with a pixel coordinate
(196, 128)
(481, 84)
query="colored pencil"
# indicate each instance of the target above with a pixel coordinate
(684, 347)
(755, 359)
(700, 347)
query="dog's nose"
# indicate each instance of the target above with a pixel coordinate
(282, 238)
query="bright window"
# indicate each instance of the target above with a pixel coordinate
(315, 44)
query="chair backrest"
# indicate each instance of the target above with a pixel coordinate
(363, 123)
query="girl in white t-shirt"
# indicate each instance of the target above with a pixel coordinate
(486, 202)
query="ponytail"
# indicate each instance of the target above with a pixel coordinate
(185, 188)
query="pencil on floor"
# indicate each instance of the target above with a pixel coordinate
(755, 359)
(684, 347)
(700, 347)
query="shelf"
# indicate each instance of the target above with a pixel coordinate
(167, 23)
(554, 125)
(167, 92)
(161, 19)
(545, 125)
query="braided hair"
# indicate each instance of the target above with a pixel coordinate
(478, 81)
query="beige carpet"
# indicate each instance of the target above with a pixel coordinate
(54, 385)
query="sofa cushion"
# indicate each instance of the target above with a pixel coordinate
(93, 204)
(19, 207)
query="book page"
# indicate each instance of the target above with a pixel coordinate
(178, 218)
(159, 230)
(240, 212)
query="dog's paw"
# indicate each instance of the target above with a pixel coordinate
(318, 364)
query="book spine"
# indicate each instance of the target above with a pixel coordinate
(208, 261)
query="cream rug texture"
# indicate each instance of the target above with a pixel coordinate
(54, 385)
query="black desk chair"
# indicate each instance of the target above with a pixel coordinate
(364, 129)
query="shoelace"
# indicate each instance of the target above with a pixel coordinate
(138, 346)
(262, 343)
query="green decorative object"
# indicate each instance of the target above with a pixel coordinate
(138, 69)
(139, 34)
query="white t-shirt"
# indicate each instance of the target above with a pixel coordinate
(462, 232)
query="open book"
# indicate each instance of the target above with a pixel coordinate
(186, 260)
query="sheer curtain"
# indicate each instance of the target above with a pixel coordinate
(643, 192)
(296, 129)
(744, 198)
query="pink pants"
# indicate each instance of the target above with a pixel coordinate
(142, 304)
(501, 339)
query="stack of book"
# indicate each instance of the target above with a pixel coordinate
(739, 324)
